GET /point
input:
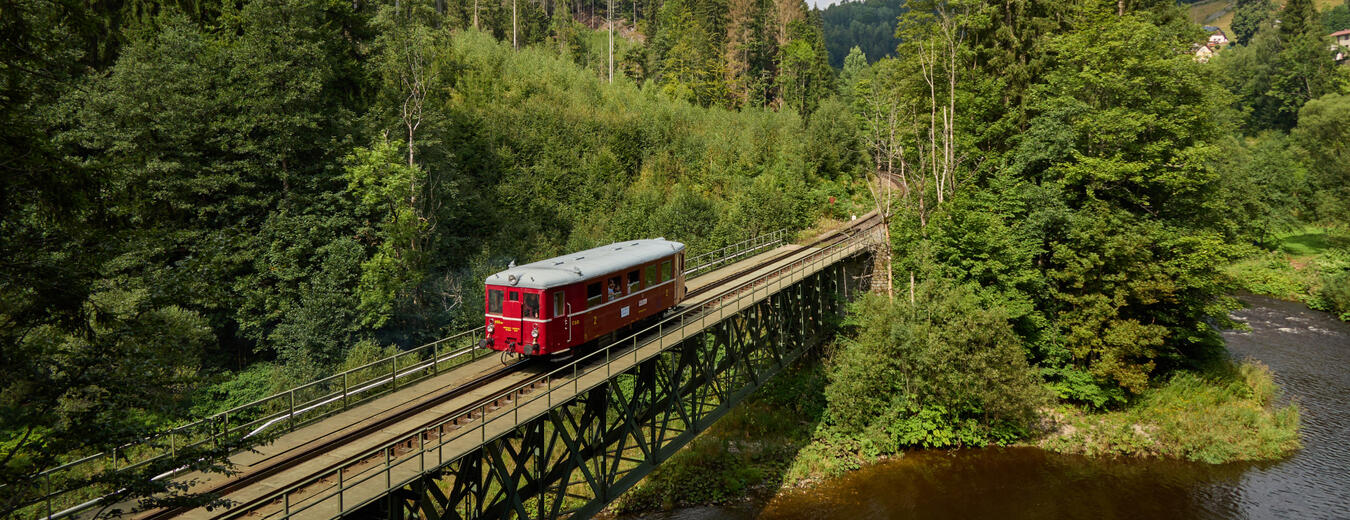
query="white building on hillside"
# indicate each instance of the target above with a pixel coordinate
(1340, 44)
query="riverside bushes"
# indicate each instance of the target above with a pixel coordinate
(1317, 275)
(1226, 413)
(942, 371)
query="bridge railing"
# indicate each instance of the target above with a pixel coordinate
(290, 409)
(700, 264)
(308, 402)
(377, 465)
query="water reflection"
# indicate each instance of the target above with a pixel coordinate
(1019, 483)
(1310, 355)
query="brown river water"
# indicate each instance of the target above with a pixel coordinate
(1308, 351)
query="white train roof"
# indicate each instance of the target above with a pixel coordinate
(584, 265)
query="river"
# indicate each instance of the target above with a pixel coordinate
(1309, 353)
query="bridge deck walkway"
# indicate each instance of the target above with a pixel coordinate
(316, 434)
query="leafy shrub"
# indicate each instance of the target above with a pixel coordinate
(256, 382)
(943, 371)
(1334, 294)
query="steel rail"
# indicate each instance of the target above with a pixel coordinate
(857, 224)
(326, 446)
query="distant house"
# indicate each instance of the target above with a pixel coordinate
(1340, 44)
(1217, 38)
(1205, 50)
(1202, 53)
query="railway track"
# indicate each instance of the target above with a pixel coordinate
(288, 459)
(461, 415)
(867, 222)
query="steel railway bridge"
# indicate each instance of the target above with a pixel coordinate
(447, 431)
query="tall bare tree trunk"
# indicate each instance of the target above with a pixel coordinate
(609, 13)
(514, 45)
(413, 76)
(475, 15)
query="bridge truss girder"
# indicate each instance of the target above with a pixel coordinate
(582, 454)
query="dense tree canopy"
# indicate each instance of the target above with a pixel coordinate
(1336, 19)
(204, 202)
(866, 24)
(1282, 67)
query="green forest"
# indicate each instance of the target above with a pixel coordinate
(868, 25)
(205, 202)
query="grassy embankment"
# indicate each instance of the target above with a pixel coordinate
(1218, 13)
(1309, 265)
(1225, 413)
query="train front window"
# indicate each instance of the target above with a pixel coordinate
(495, 301)
(634, 279)
(665, 270)
(531, 307)
(593, 295)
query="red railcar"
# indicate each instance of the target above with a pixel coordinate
(553, 305)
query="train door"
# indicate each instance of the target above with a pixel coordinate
(679, 277)
(562, 309)
(511, 326)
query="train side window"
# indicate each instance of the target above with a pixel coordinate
(593, 294)
(531, 307)
(651, 275)
(634, 279)
(665, 270)
(495, 301)
(559, 303)
(615, 290)
(679, 266)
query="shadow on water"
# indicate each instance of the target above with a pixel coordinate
(1309, 353)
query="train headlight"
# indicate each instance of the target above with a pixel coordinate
(535, 333)
(489, 328)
